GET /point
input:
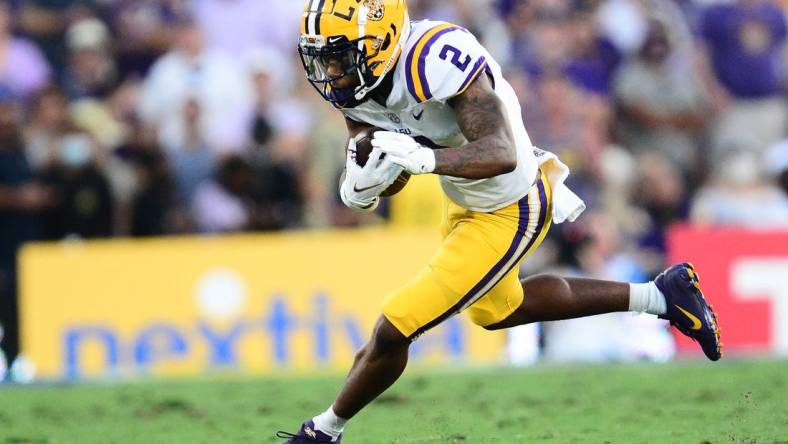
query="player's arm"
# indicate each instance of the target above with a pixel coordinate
(482, 118)
(490, 150)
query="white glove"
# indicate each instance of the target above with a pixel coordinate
(362, 186)
(405, 152)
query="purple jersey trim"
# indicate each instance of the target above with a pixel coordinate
(422, 63)
(479, 67)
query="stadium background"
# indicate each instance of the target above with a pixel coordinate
(183, 177)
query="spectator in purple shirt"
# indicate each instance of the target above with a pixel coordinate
(570, 41)
(745, 40)
(142, 32)
(23, 68)
(593, 58)
(745, 43)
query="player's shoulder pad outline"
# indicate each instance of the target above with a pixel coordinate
(418, 69)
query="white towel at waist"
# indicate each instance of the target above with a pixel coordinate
(566, 204)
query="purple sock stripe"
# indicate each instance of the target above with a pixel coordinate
(477, 69)
(522, 226)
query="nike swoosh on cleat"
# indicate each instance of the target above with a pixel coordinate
(696, 324)
(359, 190)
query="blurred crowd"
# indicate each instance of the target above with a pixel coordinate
(157, 117)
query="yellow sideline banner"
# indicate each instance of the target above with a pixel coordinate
(255, 304)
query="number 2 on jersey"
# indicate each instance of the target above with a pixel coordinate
(455, 57)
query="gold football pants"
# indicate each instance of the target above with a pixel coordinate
(476, 268)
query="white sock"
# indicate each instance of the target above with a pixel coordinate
(329, 423)
(647, 298)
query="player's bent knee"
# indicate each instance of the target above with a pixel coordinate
(386, 338)
(546, 284)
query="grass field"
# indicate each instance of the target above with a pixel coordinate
(729, 402)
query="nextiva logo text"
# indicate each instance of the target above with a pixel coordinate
(160, 342)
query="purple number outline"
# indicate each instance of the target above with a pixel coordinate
(455, 58)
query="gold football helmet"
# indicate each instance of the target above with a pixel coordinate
(364, 36)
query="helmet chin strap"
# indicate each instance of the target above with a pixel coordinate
(361, 93)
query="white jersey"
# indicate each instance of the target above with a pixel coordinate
(440, 61)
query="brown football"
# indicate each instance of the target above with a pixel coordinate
(363, 150)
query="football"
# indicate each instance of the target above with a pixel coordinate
(363, 150)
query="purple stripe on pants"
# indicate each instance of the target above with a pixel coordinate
(522, 227)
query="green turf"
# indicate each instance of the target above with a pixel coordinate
(730, 402)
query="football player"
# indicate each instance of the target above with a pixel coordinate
(448, 111)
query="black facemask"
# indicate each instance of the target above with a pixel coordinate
(351, 60)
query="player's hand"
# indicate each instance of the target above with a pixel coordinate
(363, 185)
(405, 152)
